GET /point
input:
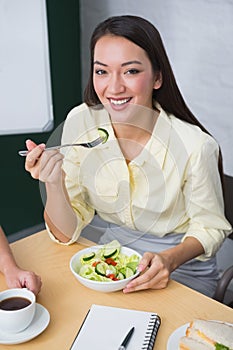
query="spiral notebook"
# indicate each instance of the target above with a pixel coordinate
(105, 327)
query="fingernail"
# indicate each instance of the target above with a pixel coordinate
(140, 268)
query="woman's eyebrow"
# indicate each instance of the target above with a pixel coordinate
(101, 64)
(130, 62)
(122, 65)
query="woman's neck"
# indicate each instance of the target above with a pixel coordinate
(139, 129)
(132, 138)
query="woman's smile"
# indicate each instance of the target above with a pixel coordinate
(122, 74)
(120, 103)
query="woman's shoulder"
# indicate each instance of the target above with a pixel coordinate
(191, 135)
(78, 110)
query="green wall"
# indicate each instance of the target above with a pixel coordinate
(21, 205)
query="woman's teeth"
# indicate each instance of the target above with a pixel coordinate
(119, 102)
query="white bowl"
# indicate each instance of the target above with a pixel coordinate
(98, 285)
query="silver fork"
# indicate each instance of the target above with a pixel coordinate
(90, 144)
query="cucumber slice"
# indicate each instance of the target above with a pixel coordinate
(101, 268)
(109, 253)
(123, 272)
(112, 249)
(132, 265)
(120, 276)
(103, 134)
(221, 347)
(128, 272)
(89, 256)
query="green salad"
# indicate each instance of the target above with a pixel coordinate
(108, 264)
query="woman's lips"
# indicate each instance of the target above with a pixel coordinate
(119, 102)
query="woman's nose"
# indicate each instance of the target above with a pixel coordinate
(116, 84)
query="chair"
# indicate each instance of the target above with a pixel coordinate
(225, 255)
(223, 284)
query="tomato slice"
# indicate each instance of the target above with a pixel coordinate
(110, 261)
(112, 276)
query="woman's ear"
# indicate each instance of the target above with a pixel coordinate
(158, 81)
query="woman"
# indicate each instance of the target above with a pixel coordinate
(156, 182)
(14, 275)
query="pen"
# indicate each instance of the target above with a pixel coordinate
(126, 340)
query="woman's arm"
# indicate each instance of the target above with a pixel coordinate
(59, 214)
(158, 267)
(204, 205)
(14, 275)
(47, 167)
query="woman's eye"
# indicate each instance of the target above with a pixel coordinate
(100, 71)
(132, 71)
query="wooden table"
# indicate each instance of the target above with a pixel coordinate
(68, 301)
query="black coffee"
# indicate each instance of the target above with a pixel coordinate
(14, 303)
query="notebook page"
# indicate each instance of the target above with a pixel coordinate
(105, 328)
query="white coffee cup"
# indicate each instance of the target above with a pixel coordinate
(12, 318)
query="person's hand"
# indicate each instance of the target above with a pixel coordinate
(155, 271)
(43, 166)
(18, 278)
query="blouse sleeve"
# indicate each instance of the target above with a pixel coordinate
(204, 199)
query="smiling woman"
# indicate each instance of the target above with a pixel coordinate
(123, 76)
(156, 182)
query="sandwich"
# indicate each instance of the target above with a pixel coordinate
(207, 335)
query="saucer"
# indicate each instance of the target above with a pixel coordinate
(38, 325)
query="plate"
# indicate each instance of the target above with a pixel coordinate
(38, 325)
(173, 341)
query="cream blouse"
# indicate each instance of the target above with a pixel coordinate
(173, 185)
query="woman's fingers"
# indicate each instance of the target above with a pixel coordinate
(155, 275)
(33, 157)
(32, 163)
(145, 261)
(43, 166)
(30, 144)
(51, 166)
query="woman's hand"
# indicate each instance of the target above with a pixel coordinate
(155, 273)
(156, 268)
(43, 166)
(18, 278)
(46, 166)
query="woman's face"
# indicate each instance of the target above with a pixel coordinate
(122, 74)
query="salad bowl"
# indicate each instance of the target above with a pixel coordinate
(96, 281)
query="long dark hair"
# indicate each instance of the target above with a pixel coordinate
(144, 34)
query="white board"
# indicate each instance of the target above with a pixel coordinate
(25, 83)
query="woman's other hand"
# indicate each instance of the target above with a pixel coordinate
(156, 268)
(155, 271)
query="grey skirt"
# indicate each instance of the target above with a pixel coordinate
(198, 275)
